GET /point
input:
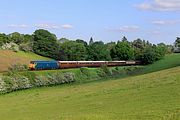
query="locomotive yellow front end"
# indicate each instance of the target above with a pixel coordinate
(31, 66)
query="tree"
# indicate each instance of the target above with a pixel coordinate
(153, 53)
(98, 51)
(138, 46)
(177, 45)
(148, 56)
(28, 38)
(62, 40)
(72, 50)
(3, 39)
(123, 51)
(160, 51)
(124, 39)
(91, 41)
(16, 38)
(177, 42)
(82, 41)
(45, 43)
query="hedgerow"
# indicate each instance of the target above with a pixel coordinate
(16, 81)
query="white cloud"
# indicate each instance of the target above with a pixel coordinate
(18, 26)
(47, 26)
(166, 22)
(53, 26)
(67, 26)
(160, 5)
(132, 28)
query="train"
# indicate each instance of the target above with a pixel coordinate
(51, 65)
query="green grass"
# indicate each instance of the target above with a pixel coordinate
(80, 77)
(154, 96)
(8, 58)
(169, 61)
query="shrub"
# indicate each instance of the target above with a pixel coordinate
(131, 70)
(18, 67)
(16, 82)
(30, 75)
(2, 86)
(26, 47)
(54, 79)
(10, 46)
(85, 71)
(69, 77)
(104, 71)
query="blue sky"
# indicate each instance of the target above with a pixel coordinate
(106, 20)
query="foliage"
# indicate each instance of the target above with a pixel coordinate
(45, 43)
(91, 41)
(98, 51)
(177, 42)
(16, 38)
(123, 51)
(18, 67)
(106, 70)
(72, 51)
(26, 47)
(2, 86)
(54, 79)
(3, 39)
(85, 71)
(153, 53)
(10, 46)
(169, 61)
(17, 81)
(82, 42)
(149, 56)
(177, 45)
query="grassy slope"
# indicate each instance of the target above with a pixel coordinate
(168, 61)
(151, 96)
(8, 58)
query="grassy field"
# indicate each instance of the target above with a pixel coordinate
(8, 58)
(154, 96)
(168, 61)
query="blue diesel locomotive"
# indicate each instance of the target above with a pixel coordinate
(43, 65)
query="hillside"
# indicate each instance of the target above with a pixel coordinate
(169, 61)
(8, 58)
(151, 96)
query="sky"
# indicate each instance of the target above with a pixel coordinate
(106, 20)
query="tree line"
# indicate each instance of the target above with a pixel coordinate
(44, 43)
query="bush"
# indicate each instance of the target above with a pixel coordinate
(54, 79)
(18, 67)
(104, 71)
(2, 86)
(26, 47)
(10, 46)
(85, 71)
(30, 75)
(15, 82)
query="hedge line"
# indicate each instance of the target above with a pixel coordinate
(15, 80)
